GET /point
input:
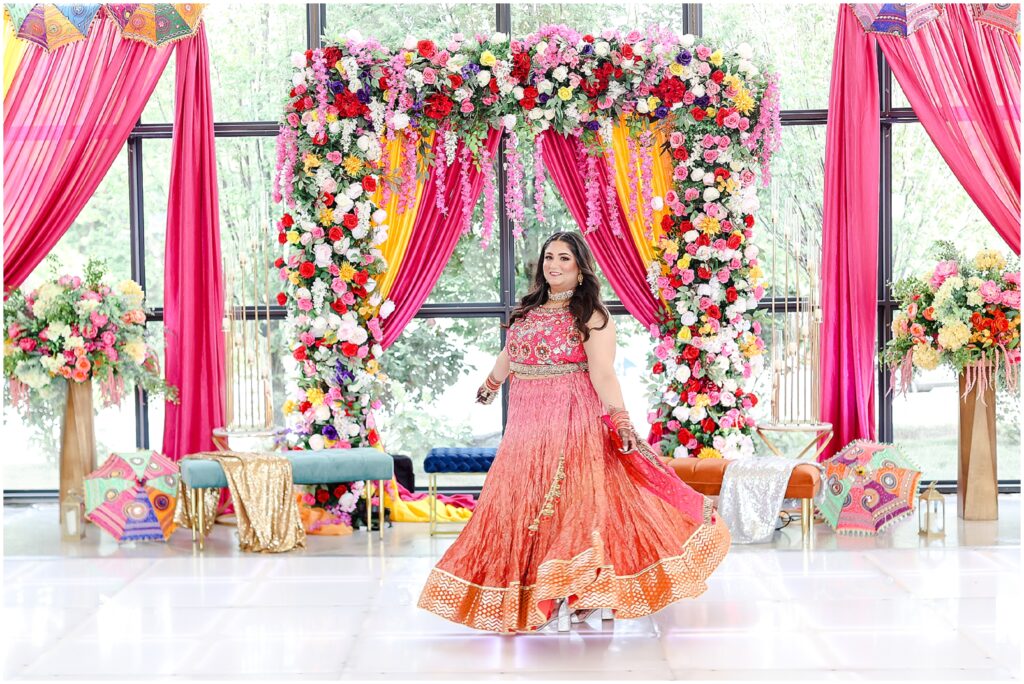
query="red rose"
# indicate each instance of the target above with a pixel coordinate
(666, 222)
(731, 295)
(349, 349)
(305, 406)
(697, 113)
(492, 85)
(348, 104)
(282, 238)
(717, 76)
(350, 221)
(373, 437)
(520, 66)
(455, 80)
(681, 153)
(359, 291)
(287, 221)
(686, 226)
(334, 234)
(278, 262)
(748, 221)
(703, 273)
(734, 241)
(427, 49)
(708, 425)
(382, 82)
(588, 38)
(437, 106)
(307, 269)
(691, 353)
(530, 93)
(339, 307)
(659, 368)
(369, 183)
(339, 490)
(331, 56)
(307, 102)
(528, 104)
(322, 495)
(713, 311)
(328, 199)
(361, 277)
(300, 353)
(282, 298)
(627, 51)
(723, 114)
(670, 91)
(685, 436)
(753, 399)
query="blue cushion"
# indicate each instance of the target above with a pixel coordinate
(459, 459)
(308, 467)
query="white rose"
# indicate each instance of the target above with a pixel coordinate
(400, 120)
(601, 48)
(549, 114)
(683, 373)
(347, 501)
(363, 143)
(751, 70)
(509, 121)
(688, 318)
(697, 414)
(697, 90)
(697, 175)
(344, 203)
(499, 38)
(536, 114)
(355, 84)
(316, 442)
(641, 106)
(299, 60)
(483, 77)
(690, 235)
(410, 43)
(358, 336)
(73, 342)
(711, 194)
(709, 179)
(373, 154)
(354, 191)
(744, 51)
(298, 78)
(687, 41)
(518, 92)
(380, 216)
(540, 47)
(560, 73)
(387, 308)
(680, 452)
(322, 254)
(319, 327)
(657, 203)
(681, 412)
(751, 252)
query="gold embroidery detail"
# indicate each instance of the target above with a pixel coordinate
(554, 493)
(547, 369)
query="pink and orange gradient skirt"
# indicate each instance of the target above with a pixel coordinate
(559, 518)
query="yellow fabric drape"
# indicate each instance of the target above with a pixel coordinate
(661, 183)
(419, 511)
(399, 225)
(14, 50)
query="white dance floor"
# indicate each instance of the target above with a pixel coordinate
(889, 607)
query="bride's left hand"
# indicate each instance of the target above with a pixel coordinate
(628, 440)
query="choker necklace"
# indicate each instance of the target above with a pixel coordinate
(560, 296)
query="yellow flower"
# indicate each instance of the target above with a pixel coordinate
(748, 345)
(346, 272)
(684, 334)
(926, 357)
(372, 366)
(744, 102)
(487, 58)
(326, 216)
(365, 311)
(315, 396)
(684, 261)
(665, 270)
(710, 111)
(709, 225)
(293, 278)
(136, 350)
(716, 58)
(702, 400)
(132, 290)
(653, 102)
(676, 69)
(331, 118)
(732, 81)
(708, 452)
(330, 337)
(352, 165)
(756, 274)
(704, 329)
(310, 162)
(292, 236)
(565, 93)
(408, 58)
(989, 258)
(288, 407)
(954, 336)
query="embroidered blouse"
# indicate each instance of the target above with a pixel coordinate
(546, 342)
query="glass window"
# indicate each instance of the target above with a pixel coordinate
(929, 204)
(633, 361)
(794, 39)
(435, 368)
(156, 178)
(593, 17)
(391, 23)
(899, 98)
(472, 274)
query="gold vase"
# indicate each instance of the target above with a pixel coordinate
(78, 439)
(977, 488)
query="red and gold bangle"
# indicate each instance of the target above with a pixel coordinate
(492, 384)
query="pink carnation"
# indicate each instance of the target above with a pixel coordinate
(1011, 298)
(943, 270)
(991, 292)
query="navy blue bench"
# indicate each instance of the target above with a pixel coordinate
(449, 460)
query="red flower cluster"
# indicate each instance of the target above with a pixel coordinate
(520, 66)
(670, 91)
(348, 104)
(529, 100)
(438, 105)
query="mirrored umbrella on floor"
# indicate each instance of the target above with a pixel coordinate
(133, 496)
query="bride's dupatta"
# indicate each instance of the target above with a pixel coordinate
(648, 471)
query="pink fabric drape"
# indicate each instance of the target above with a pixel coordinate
(66, 116)
(850, 237)
(963, 81)
(193, 283)
(433, 241)
(617, 257)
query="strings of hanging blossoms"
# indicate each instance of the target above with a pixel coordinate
(716, 110)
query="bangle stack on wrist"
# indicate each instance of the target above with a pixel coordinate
(492, 384)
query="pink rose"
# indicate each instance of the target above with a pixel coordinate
(668, 293)
(300, 89)
(671, 197)
(305, 304)
(943, 270)
(691, 194)
(293, 120)
(466, 107)
(680, 173)
(676, 139)
(747, 177)
(306, 338)
(708, 142)
(1011, 299)
(334, 157)
(732, 121)
(27, 344)
(111, 354)
(710, 156)
(744, 124)
(703, 52)
(990, 292)
(912, 310)
(661, 352)
(108, 338)
(89, 332)
(429, 76)
(703, 69)
(686, 276)
(1012, 277)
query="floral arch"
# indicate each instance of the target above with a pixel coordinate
(367, 130)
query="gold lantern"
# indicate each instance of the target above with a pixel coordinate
(931, 514)
(72, 517)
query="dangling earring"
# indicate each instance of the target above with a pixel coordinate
(579, 278)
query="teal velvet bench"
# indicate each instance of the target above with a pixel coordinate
(308, 468)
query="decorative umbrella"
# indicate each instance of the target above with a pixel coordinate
(898, 19)
(52, 26)
(133, 496)
(868, 486)
(1005, 17)
(156, 24)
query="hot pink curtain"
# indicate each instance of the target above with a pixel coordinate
(617, 257)
(850, 237)
(66, 116)
(433, 241)
(193, 284)
(963, 81)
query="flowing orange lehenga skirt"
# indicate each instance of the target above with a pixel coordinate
(559, 517)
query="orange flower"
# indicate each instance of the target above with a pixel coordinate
(82, 364)
(929, 313)
(79, 375)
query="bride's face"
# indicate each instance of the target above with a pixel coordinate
(560, 269)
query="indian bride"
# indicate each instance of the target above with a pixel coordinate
(565, 525)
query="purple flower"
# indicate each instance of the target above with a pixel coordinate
(543, 98)
(470, 70)
(330, 432)
(684, 57)
(588, 49)
(702, 101)
(363, 95)
(336, 86)
(661, 112)
(593, 125)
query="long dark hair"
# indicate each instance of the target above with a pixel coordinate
(586, 298)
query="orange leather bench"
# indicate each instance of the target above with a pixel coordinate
(705, 476)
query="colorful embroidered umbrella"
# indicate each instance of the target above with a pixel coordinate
(898, 19)
(1002, 16)
(156, 24)
(868, 486)
(52, 26)
(133, 496)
